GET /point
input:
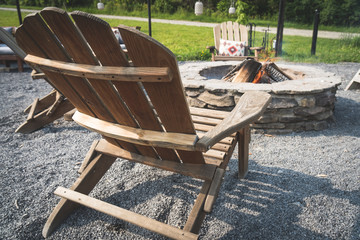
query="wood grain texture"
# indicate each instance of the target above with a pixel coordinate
(84, 184)
(244, 34)
(125, 74)
(217, 36)
(80, 52)
(126, 215)
(236, 33)
(214, 190)
(137, 136)
(199, 171)
(230, 31)
(249, 108)
(243, 148)
(100, 37)
(168, 98)
(208, 113)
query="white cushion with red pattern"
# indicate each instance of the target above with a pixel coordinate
(231, 48)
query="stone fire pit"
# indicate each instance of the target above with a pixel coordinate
(297, 105)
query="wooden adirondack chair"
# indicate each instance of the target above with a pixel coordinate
(139, 108)
(7, 53)
(234, 32)
(43, 110)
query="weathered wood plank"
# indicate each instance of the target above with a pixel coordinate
(84, 184)
(227, 58)
(208, 113)
(199, 171)
(249, 108)
(243, 155)
(217, 36)
(126, 74)
(354, 83)
(126, 215)
(90, 155)
(197, 214)
(100, 37)
(168, 98)
(223, 31)
(230, 31)
(79, 51)
(136, 135)
(32, 109)
(205, 128)
(236, 32)
(41, 119)
(206, 120)
(227, 140)
(214, 190)
(215, 154)
(244, 34)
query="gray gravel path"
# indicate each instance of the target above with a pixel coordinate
(300, 186)
(287, 31)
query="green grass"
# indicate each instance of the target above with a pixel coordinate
(189, 42)
(190, 16)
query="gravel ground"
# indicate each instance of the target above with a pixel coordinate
(300, 186)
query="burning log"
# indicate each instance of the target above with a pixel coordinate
(254, 72)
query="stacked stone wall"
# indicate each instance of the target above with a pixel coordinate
(288, 111)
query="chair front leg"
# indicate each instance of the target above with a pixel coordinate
(243, 147)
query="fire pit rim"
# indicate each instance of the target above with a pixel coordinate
(310, 84)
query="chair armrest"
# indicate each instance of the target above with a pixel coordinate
(257, 48)
(211, 48)
(10, 41)
(249, 108)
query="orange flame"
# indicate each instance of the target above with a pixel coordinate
(258, 76)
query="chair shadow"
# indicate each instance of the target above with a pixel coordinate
(265, 205)
(269, 203)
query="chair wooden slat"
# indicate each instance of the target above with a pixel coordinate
(44, 43)
(126, 215)
(223, 31)
(168, 98)
(215, 154)
(40, 34)
(236, 33)
(61, 24)
(144, 122)
(32, 39)
(230, 30)
(227, 140)
(100, 37)
(206, 120)
(244, 34)
(208, 113)
(217, 36)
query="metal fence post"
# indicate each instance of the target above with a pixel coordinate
(280, 29)
(315, 32)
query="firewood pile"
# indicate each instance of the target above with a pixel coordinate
(253, 71)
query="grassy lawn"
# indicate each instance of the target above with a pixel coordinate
(189, 16)
(189, 43)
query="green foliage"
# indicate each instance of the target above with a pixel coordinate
(332, 12)
(167, 6)
(241, 11)
(223, 6)
(189, 43)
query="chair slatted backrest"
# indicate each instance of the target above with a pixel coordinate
(52, 34)
(232, 31)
